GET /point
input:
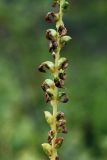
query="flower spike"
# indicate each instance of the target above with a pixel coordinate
(57, 39)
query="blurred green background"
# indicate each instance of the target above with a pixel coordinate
(22, 48)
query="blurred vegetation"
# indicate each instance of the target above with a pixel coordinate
(22, 48)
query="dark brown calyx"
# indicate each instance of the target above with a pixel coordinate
(43, 68)
(55, 3)
(62, 30)
(61, 122)
(59, 82)
(48, 35)
(62, 75)
(50, 136)
(64, 64)
(63, 97)
(52, 46)
(44, 86)
(58, 142)
(51, 17)
(57, 158)
(47, 97)
(51, 34)
(59, 116)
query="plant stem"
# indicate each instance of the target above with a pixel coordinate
(54, 103)
(54, 150)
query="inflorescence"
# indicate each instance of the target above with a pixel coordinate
(52, 87)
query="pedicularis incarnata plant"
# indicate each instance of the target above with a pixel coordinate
(52, 87)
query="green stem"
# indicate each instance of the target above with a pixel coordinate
(54, 150)
(54, 103)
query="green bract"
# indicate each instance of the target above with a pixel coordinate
(49, 117)
(47, 149)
